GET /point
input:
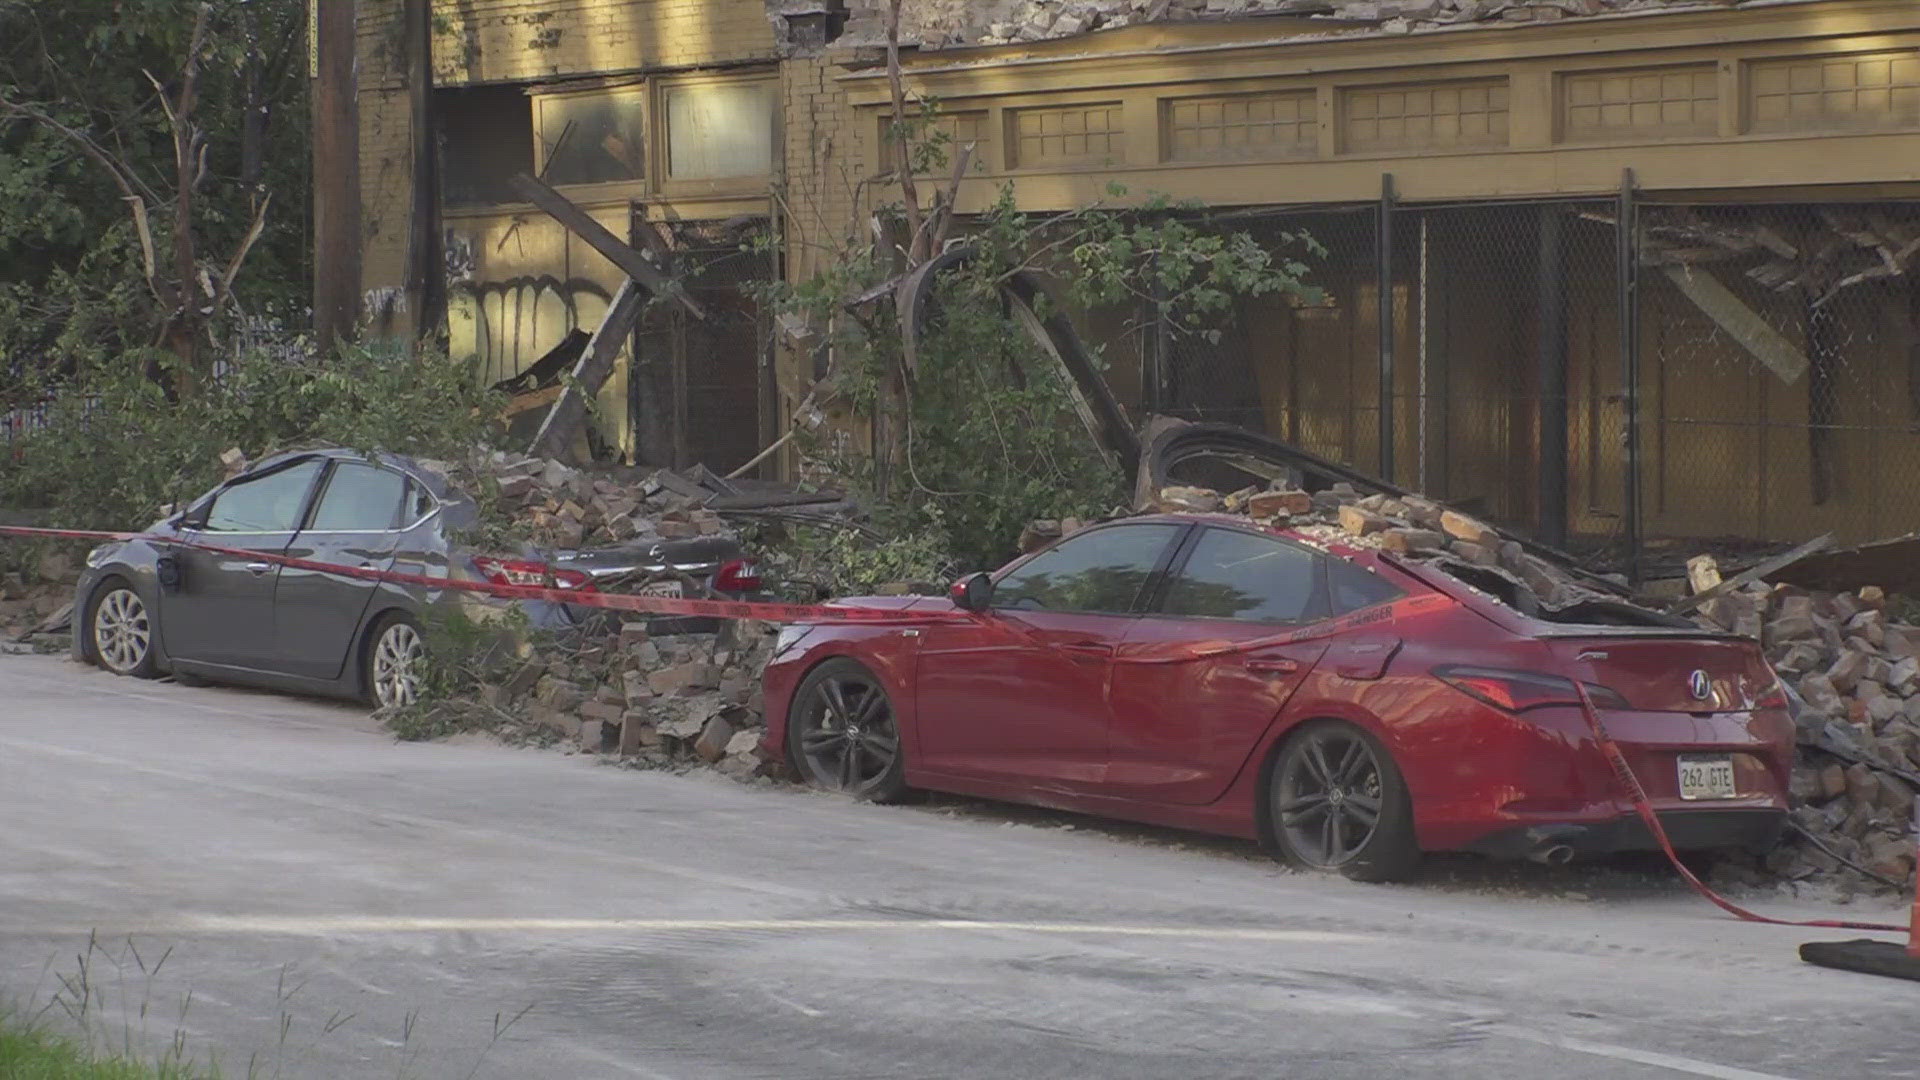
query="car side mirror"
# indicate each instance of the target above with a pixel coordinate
(974, 592)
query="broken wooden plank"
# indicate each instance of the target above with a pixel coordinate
(621, 254)
(1741, 322)
(1758, 572)
(596, 365)
(531, 400)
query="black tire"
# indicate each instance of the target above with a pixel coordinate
(381, 687)
(838, 697)
(120, 630)
(1336, 803)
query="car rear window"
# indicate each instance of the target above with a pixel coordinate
(1354, 588)
(1238, 575)
(359, 498)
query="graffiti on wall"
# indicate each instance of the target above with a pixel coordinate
(510, 324)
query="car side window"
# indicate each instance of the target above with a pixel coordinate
(359, 498)
(1101, 571)
(264, 504)
(419, 504)
(1354, 588)
(1237, 575)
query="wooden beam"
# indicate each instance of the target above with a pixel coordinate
(621, 254)
(1741, 322)
(1757, 572)
(591, 373)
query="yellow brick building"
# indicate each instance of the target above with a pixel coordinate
(1766, 319)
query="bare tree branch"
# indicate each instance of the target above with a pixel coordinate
(124, 178)
(902, 154)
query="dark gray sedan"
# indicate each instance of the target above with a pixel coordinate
(146, 607)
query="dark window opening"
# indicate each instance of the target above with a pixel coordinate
(486, 138)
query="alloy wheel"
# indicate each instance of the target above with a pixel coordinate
(122, 633)
(397, 657)
(847, 736)
(1329, 797)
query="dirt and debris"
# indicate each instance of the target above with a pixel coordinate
(1853, 659)
(679, 700)
(557, 505)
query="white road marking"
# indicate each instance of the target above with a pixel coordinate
(796, 1006)
(1672, 1062)
(332, 925)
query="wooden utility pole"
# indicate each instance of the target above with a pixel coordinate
(336, 170)
(426, 261)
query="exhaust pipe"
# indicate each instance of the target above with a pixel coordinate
(1551, 854)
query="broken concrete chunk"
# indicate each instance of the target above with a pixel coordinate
(1275, 504)
(1412, 541)
(1424, 512)
(713, 740)
(1903, 678)
(1189, 500)
(1821, 695)
(1846, 672)
(1703, 573)
(1358, 522)
(684, 677)
(1833, 781)
(602, 711)
(1461, 527)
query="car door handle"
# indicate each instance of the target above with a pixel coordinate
(1273, 665)
(1087, 650)
(258, 568)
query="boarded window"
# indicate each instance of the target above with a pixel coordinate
(594, 138)
(1068, 135)
(1241, 126)
(486, 137)
(1827, 92)
(959, 129)
(719, 131)
(1433, 116)
(1643, 102)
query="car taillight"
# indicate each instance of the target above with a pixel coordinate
(528, 573)
(1773, 697)
(740, 575)
(1518, 691)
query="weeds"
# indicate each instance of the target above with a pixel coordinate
(100, 1021)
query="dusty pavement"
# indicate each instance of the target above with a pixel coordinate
(300, 872)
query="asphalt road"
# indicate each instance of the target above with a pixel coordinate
(275, 883)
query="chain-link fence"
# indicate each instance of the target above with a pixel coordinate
(1722, 377)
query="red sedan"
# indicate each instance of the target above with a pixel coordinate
(1345, 708)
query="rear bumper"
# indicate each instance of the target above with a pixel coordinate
(1756, 830)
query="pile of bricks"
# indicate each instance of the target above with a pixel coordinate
(566, 508)
(1855, 661)
(657, 700)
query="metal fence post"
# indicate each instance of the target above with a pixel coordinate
(1629, 301)
(1552, 491)
(1383, 259)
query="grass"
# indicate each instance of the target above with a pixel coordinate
(30, 1053)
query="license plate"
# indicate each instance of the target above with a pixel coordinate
(666, 590)
(1706, 776)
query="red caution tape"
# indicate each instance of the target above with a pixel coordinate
(648, 605)
(834, 613)
(1630, 785)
